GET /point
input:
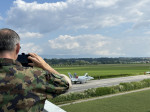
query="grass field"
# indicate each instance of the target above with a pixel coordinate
(133, 102)
(105, 69)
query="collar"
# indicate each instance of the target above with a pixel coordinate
(7, 62)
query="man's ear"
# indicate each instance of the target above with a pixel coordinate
(17, 48)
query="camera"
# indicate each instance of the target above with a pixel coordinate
(23, 59)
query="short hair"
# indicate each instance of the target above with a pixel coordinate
(8, 39)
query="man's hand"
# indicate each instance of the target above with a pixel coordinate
(39, 62)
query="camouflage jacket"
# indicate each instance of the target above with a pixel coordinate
(25, 89)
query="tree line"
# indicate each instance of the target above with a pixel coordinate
(96, 61)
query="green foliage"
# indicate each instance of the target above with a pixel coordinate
(127, 86)
(104, 91)
(96, 61)
(138, 85)
(101, 91)
(117, 88)
(69, 97)
(90, 92)
(112, 76)
(146, 82)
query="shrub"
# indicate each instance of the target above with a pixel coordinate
(69, 97)
(90, 92)
(137, 85)
(117, 88)
(101, 91)
(111, 76)
(146, 82)
(127, 86)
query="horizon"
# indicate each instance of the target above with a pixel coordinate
(78, 57)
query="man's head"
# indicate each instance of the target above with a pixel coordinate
(9, 43)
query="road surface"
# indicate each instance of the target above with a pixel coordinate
(106, 82)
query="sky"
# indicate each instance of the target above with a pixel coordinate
(80, 28)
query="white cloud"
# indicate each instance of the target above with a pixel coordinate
(1, 18)
(36, 17)
(76, 14)
(31, 48)
(112, 20)
(35, 6)
(84, 45)
(99, 45)
(67, 42)
(104, 3)
(147, 32)
(30, 35)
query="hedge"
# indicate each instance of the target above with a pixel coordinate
(113, 76)
(95, 92)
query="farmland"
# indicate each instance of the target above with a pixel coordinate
(133, 102)
(105, 70)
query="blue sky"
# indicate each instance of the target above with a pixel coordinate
(80, 28)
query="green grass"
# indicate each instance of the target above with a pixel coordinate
(133, 102)
(105, 69)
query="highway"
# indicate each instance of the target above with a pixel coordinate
(106, 82)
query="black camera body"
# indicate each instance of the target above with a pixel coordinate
(23, 59)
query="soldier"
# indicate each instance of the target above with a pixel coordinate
(25, 89)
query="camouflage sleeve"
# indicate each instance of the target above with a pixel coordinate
(56, 84)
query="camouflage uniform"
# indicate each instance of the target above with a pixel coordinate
(25, 89)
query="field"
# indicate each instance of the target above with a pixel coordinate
(133, 102)
(105, 70)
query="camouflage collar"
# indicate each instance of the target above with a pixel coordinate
(7, 62)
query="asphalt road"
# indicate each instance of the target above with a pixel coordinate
(106, 82)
